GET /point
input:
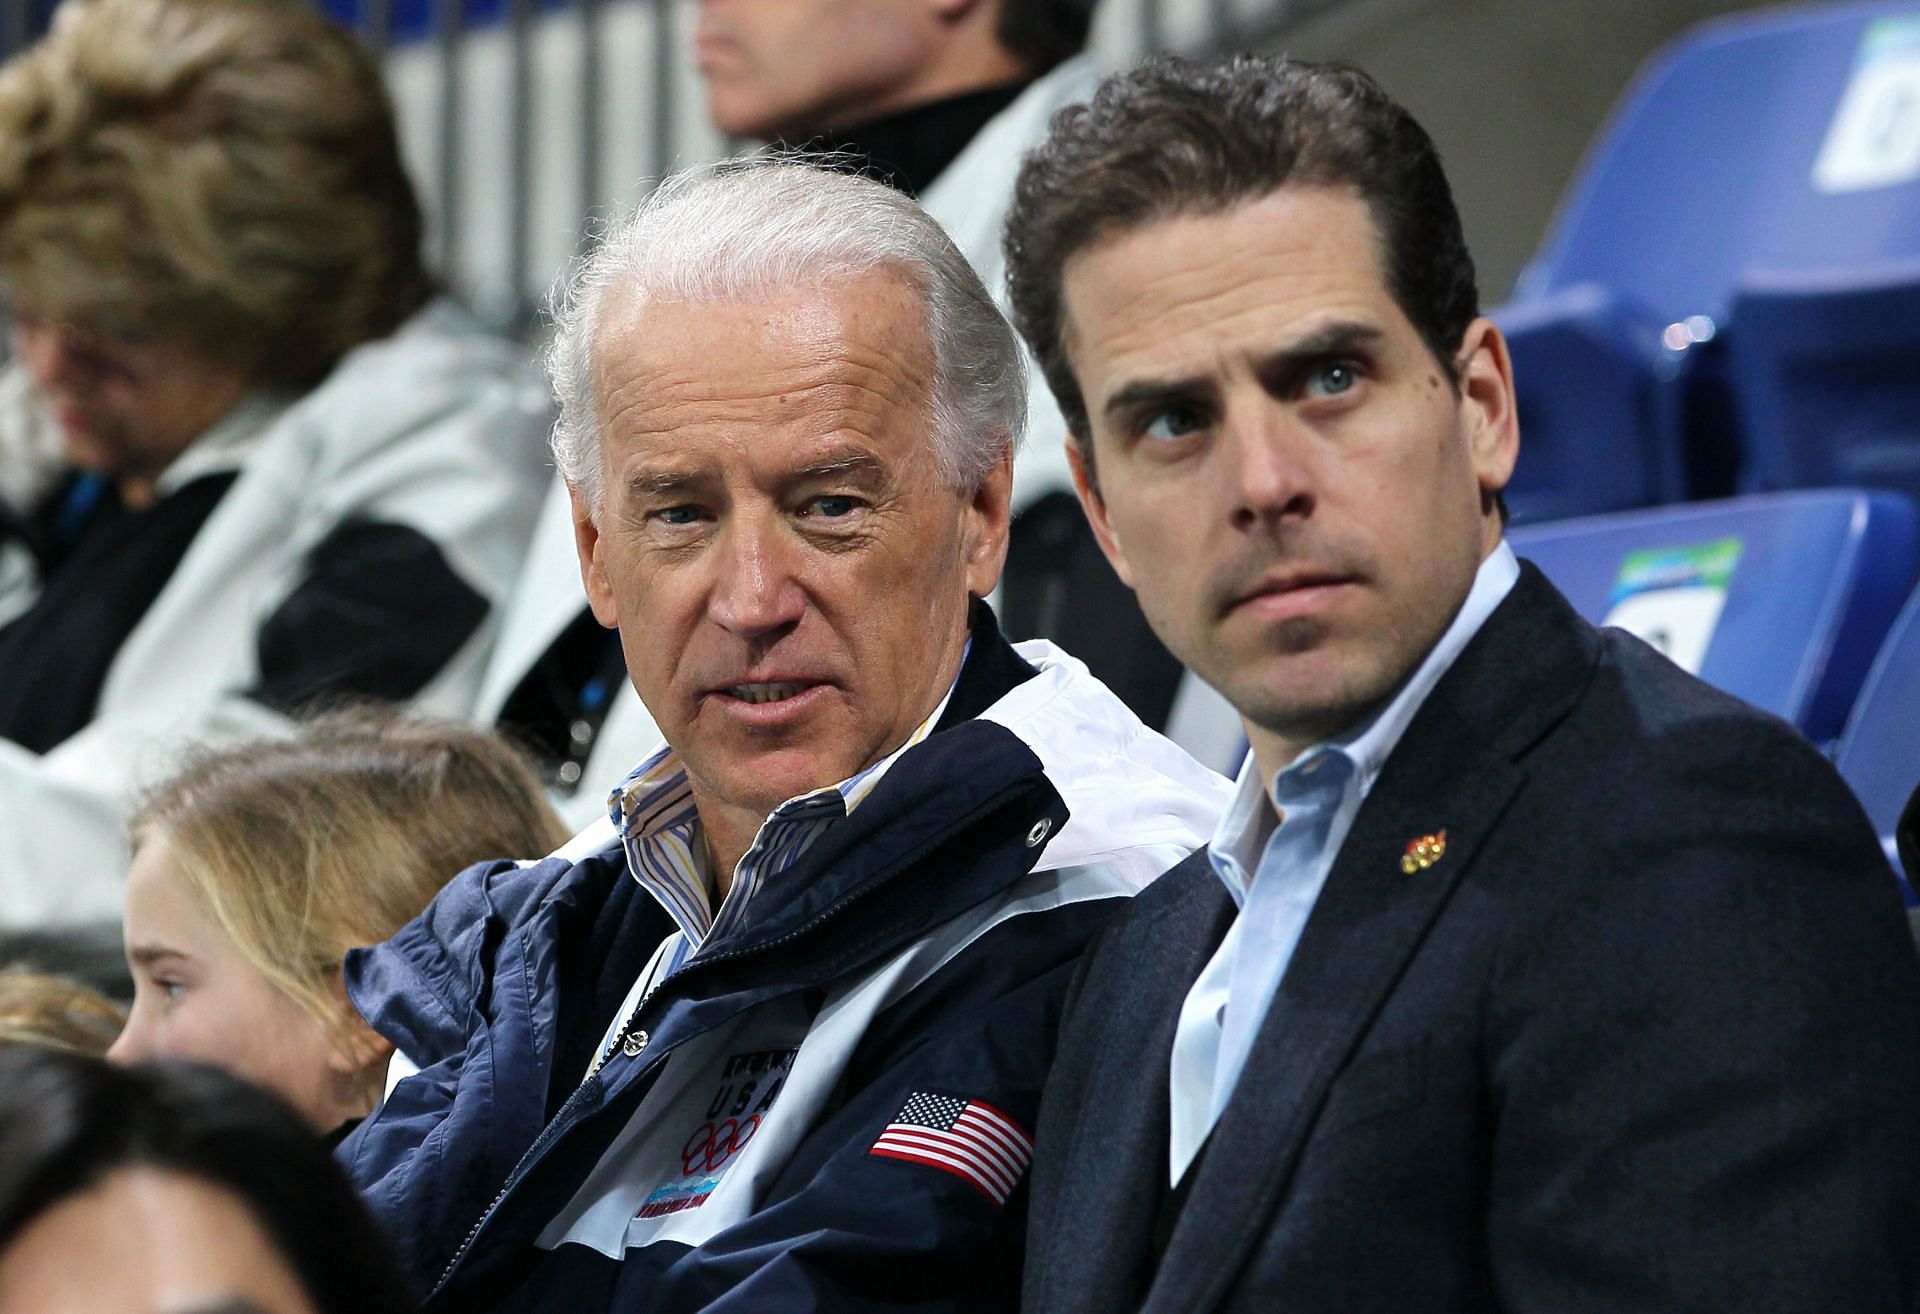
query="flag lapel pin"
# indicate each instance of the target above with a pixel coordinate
(1422, 853)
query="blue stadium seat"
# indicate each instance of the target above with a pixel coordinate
(1586, 369)
(1880, 752)
(1782, 598)
(1748, 224)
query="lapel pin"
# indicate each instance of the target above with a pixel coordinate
(1423, 852)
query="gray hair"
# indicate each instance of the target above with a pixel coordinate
(744, 231)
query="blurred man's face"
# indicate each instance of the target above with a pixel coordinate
(1285, 475)
(126, 404)
(789, 571)
(792, 68)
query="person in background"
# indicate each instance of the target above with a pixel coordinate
(258, 866)
(939, 100)
(173, 1190)
(1526, 971)
(38, 1009)
(773, 1044)
(248, 459)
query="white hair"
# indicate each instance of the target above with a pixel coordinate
(752, 230)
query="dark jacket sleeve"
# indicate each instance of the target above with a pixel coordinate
(1703, 1074)
(430, 1156)
(844, 1230)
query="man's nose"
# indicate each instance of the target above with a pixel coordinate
(756, 593)
(1269, 467)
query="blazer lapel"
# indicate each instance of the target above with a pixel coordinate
(1456, 770)
(1113, 1117)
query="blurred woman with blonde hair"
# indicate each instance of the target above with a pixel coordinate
(257, 867)
(249, 460)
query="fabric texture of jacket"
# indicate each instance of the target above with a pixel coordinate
(375, 526)
(721, 1154)
(1607, 1005)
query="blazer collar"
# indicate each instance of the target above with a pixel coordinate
(1109, 1170)
(1457, 769)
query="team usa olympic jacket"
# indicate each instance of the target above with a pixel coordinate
(828, 1106)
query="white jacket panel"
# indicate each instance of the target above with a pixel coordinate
(439, 428)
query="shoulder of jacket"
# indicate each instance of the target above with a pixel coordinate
(437, 367)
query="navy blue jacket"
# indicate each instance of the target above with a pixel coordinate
(1646, 1037)
(503, 990)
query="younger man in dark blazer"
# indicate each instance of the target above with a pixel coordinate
(1527, 972)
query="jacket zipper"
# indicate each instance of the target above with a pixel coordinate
(547, 1134)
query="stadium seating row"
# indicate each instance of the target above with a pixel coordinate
(1727, 308)
(1729, 298)
(1793, 601)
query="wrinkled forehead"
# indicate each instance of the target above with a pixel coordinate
(849, 357)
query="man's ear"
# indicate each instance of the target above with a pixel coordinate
(1488, 407)
(989, 513)
(593, 572)
(1096, 507)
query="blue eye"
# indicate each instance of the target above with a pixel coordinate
(1173, 424)
(678, 515)
(1332, 380)
(832, 508)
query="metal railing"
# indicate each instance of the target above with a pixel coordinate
(525, 121)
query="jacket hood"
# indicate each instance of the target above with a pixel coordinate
(1133, 796)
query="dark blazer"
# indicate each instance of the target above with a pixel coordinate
(1645, 1038)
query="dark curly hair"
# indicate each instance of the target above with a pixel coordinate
(1175, 137)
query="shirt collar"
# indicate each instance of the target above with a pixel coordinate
(659, 827)
(1251, 818)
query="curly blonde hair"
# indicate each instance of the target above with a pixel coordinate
(220, 172)
(304, 848)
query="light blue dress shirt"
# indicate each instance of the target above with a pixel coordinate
(1273, 850)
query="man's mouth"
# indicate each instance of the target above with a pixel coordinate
(1297, 582)
(776, 692)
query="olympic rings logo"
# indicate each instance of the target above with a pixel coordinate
(713, 1145)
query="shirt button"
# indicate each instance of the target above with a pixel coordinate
(634, 1043)
(581, 732)
(569, 773)
(1039, 831)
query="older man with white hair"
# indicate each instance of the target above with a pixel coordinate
(778, 1041)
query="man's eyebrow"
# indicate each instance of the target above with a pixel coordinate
(863, 467)
(660, 483)
(1328, 340)
(1333, 339)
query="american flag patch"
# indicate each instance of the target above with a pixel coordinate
(975, 1142)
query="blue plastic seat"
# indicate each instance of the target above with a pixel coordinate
(1782, 599)
(1880, 752)
(1756, 264)
(1586, 371)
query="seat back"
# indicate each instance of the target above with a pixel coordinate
(1752, 142)
(1880, 752)
(1780, 599)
